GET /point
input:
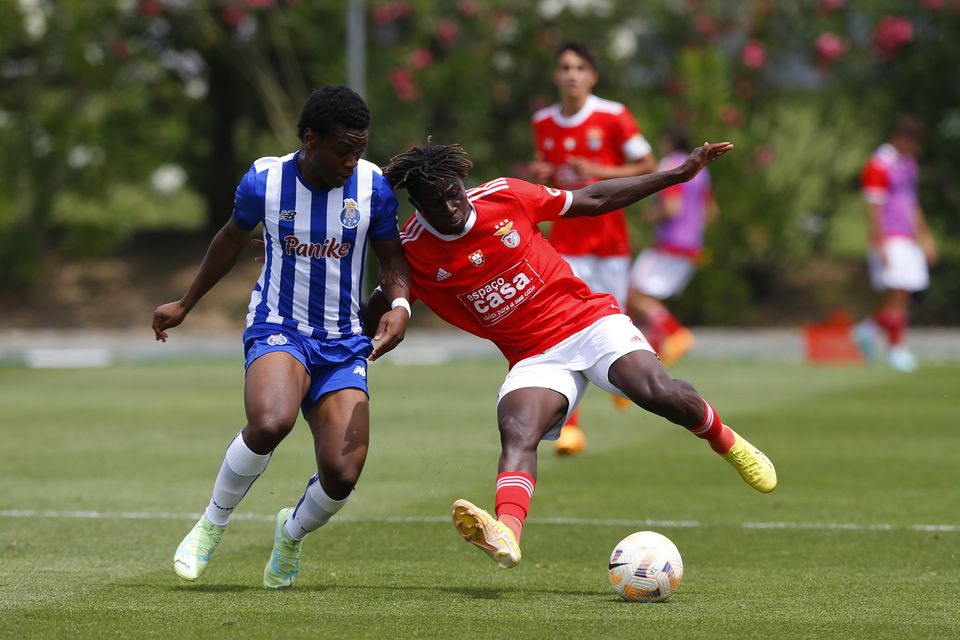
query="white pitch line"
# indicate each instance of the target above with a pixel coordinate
(581, 522)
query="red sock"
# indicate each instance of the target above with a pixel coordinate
(663, 322)
(719, 437)
(512, 503)
(894, 324)
(574, 418)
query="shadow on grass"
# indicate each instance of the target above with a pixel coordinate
(474, 593)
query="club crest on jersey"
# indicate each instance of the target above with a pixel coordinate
(507, 234)
(594, 138)
(276, 340)
(476, 258)
(288, 215)
(350, 214)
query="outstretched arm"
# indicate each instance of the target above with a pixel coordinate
(617, 193)
(394, 302)
(222, 254)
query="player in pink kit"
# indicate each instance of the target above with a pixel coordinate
(901, 245)
(478, 260)
(580, 140)
(662, 271)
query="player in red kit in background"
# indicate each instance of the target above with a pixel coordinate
(681, 214)
(579, 140)
(901, 246)
(478, 260)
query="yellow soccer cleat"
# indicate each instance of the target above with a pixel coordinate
(675, 346)
(752, 464)
(571, 441)
(621, 403)
(482, 530)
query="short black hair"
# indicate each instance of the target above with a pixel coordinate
(677, 135)
(332, 106)
(908, 127)
(427, 167)
(578, 48)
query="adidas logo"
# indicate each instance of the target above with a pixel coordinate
(443, 274)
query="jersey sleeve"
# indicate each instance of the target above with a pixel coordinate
(634, 146)
(875, 182)
(538, 202)
(383, 211)
(248, 206)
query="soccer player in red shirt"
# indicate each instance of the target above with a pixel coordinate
(579, 140)
(477, 258)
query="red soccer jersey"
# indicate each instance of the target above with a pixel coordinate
(603, 132)
(500, 279)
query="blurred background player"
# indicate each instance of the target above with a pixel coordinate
(900, 246)
(579, 140)
(304, 342)
(681, 213)
(478, 260)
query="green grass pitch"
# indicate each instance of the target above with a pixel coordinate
(866, 459)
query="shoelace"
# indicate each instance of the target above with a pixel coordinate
(287, 552)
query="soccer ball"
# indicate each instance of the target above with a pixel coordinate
(645, 567)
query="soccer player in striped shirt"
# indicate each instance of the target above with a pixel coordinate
(320, 207)
(477, 258)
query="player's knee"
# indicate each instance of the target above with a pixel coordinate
(271, 426)
(339, 480)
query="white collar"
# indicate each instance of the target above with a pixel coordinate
(589, 106)
(471, 220)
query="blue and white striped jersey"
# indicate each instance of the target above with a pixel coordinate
(316, 244)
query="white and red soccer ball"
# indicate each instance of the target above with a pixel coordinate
(645, 567)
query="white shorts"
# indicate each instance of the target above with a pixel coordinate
(603, 275)
(905, 269)
(585, 356)
(659, 274)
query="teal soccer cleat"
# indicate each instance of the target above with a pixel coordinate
(193, 554)
(284, 565)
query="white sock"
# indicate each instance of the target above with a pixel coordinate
(313, 511)
(240, 468)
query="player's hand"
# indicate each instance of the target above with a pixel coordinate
(542, 171)
(262, 246)
(701, 157)
(390, 332)
(167, 316)
(584, 168)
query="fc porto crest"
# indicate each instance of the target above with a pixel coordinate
(507, 234)
(476, 258)
(350, 214)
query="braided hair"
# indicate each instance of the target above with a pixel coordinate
(427, 167)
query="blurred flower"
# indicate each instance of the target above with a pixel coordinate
(762, 157)
(231, 15)
(168, 179)
(421, 58)
(622, 43)
(829, 47)
(79, 157)
(500, 92)
(260, 4)
(753, 56)
(404, 85)
(705, 26)
(743, 89)
(468, 8)
(538, 102)
(890, 36)
(150, 8)
(933, 4)
(448, 32)
(731, 116)
(391, 12)
(120, 49)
